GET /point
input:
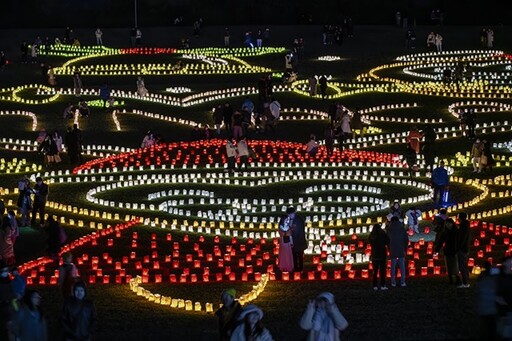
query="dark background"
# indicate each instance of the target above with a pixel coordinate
(119, 13)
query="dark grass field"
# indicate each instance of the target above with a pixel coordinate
(428, 309)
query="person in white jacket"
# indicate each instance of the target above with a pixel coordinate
(250, 327)
(231, 155)
(323, 319)
(243, 152)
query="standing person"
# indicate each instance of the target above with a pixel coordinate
(462, 248)
(486, 288)
(275, 110)
(40, 198)
(99, 34)
(438, 224)
(323, 86)
(486, 159)
(396, 210)
(285, 245)
(440, 182)
(504, 299)
(470, 118)
(414, 138)
(78, 138)
(483, 37)
(218, 115)
(476, 153)
(259, 38)
(56, 238)
(231, 155)
(227, 37)
(6, 297)
(398, 242)
(138, 37)
(77, 83)
(298, 237)
(429, 147)
(15, 232)
(25, 202)
(24, 52)
(68, 274)
(490, 38)
(379, 241)
(345, 125)
(51, 76)
(439, 42)
(29, 322)
(78, 319)
(243, 152)
(237, 121)
(323, 319)
(357, 124)
(411, 159)
(413, 216)
(228, 117)
(141, 87)
(448, 241)
(313, 83)
(71, 146)
(228, 314)
(57, 138)
(6, 245)
(104, 94)
(431, 41)
(329, 139)
(250, 327)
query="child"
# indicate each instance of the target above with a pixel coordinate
(67, 275)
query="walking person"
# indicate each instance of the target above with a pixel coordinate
(68, 274)
(313, 83)
(77, 83)
(285, 245)
(323, 319)
(323, 86)
(40, 198)
(429, 147)
(298, 237)
(398, 242)
(379, 241)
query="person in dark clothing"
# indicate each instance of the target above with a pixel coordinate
(333, 108)
(71, 145)
(104, 94)
(486, 290)
(228, 314)
(228, 117)
(218, 116)
(323, 86)
(196, 133)
(78, 319)
(379, 241)
(448, 241)
(6, 297)
(40, 198)
(504, 297)
(24, 52)
(78, 139)
(429, 147)
(438, 224)
(462, 247)
(440, 182)
(411, 159)
(398, 241)
(298, 237)
(54, 238)
(486, 160)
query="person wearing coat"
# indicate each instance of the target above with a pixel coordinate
(414, 138)
(323, 319)
(379, 241)
(398, 242)
(228, 314)
(250, 327)
(29, 323)
(448, 241)
(298, 237)
(78, 319)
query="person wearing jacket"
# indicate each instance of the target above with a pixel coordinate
(231, 153)
(298, 237)
(29, 322)
(250, 327)
(228, 314)
(462, 248)
(78, 319)
(448, 241)
(398, 242)
(323, 319)
(379, 241)
(440, 181)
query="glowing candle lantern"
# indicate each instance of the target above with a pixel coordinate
(285, 276)
(412, 272)
(480, 254)
(259, 262)
(424, 270)
(437, 270)
(133, 255)
(323, 275)
(110, 242)
(352, 274)
(92, 279)
(257, 276)
(471, 262)
(311, 275)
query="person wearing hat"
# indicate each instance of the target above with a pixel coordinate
(298, 237)
(228, 314)
(78, 319)
(323, 319)
(250, 327)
